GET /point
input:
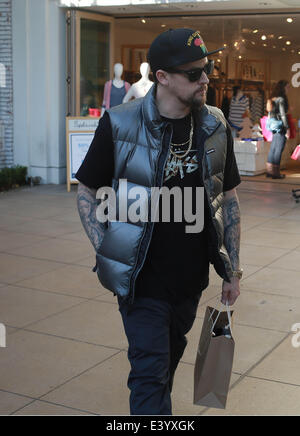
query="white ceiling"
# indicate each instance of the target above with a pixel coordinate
(229, 29)
(220, 30)
(231, 21)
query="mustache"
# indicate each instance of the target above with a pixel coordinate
(203, 88)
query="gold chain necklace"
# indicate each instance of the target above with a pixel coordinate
(190, 141)
(180, 145)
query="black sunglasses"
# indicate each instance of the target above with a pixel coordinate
(195, 74)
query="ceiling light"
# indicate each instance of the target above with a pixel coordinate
(289, 20)
(143, 21)
(252, 42)
(280, 37)
(240, 57)
(265, 45)
(236, 44)
(255, 31)
(163, 25)
(263, 37)
(225, 45)
(220, 52)
(288, 42)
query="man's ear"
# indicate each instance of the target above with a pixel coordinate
(162, 77)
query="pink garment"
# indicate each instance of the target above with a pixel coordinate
(266, 133)
(107, 91)
(296, 153)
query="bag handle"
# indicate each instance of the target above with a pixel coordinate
(229, 316)
(217, 317)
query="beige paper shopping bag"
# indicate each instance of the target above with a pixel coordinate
(214, 359)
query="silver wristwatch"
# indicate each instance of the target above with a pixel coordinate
(238, 273)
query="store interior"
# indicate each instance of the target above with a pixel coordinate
(261, 49)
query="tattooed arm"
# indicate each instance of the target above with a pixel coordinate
(232, 237)
(87, 205)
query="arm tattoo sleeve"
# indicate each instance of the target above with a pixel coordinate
(232, 230)
(87, 204)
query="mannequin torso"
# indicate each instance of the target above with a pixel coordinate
(115, 89)
(118, 83)
(140, 88)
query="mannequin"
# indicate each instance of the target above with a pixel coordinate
(140, 88)
(114, 90)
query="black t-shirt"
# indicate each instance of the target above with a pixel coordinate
(177, 262)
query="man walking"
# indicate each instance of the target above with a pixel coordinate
(171, 139)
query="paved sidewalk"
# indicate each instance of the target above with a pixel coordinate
(66, 350)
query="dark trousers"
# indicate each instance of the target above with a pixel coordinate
(276, 148)
(156, 331)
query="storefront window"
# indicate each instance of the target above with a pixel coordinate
(94, 63)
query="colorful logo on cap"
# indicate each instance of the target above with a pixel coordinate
(196, 39)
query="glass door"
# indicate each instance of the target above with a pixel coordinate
(90, 60)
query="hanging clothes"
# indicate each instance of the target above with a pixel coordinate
(211, 96)
(108, 89)
(225, 106)
(257, 107)
(238, 106)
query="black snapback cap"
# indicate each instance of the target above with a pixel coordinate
(177, 47)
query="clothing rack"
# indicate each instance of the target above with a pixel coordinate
(222, 87)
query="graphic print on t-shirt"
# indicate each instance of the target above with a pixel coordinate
(182, 158)
(182, 166)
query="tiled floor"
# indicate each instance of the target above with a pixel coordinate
(66, 349)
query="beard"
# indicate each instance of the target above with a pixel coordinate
(195, 101)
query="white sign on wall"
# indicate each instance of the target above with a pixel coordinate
(296, 77)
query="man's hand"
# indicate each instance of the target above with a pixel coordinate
(230, 291)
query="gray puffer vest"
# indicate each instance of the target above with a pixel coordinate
(141, 147)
